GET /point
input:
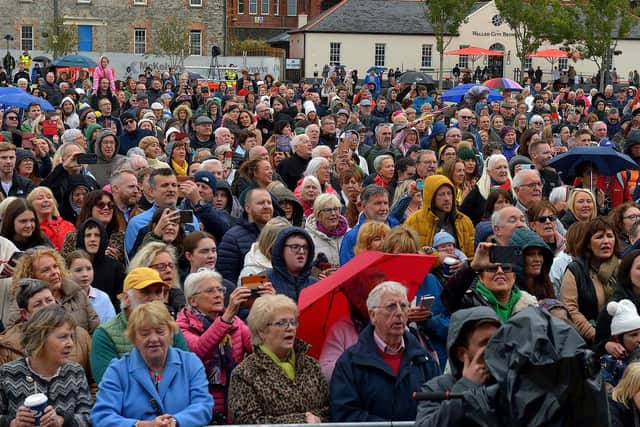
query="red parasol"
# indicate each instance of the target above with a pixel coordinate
(554, 53)
(324, 302)
(475, 51)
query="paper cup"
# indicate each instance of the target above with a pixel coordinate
(447, 263)
(37, 403)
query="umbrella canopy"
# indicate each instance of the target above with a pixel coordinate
(75, 61)
(608, 161)
(324, 302)
(502, 83)
(553, 53)
(375, 68)
(195, 76)
(474, 51)
(416, 77)
(42, 58)
(15, 97)
(457, 93)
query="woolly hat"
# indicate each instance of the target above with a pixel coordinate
(505, 130)
(206, 177)
(168, 149)
(624, 317)
(441, 238)
(22, 154)
(466, 154)
(308, 107)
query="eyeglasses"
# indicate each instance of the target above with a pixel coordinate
(532, 185)
(126, 122)
(102, 205)
(11, 118)
(330, 210)
(285, 323)
(542, 219)
(211, 291)
(506, 268)
(537, 123)
(466, 117)
(297, 248)
(393, 307)
(163, 266)
(632, 217)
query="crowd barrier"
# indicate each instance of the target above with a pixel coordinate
(364, 424)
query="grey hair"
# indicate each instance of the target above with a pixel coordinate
(323, 200)
(317, 149)
(377, 162)
(70, 135)
(314, 165)
(136, 150)
(206, 163)
(373, 300)
(517, 180)
(596, 123)
(495, 219)
(424, 153)
(23, 80)
(372, 190)
(379, 128)
(194, 280)
(310, 126)
(534, 118)
(26, 289)
(297, 140)
(312, 179)
(218, 131)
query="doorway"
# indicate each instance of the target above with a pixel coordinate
(496, 63)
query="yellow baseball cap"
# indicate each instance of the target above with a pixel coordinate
(141, 277)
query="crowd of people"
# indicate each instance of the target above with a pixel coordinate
(157, 234)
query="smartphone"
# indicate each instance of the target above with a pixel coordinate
(49, 127)
(505, 254)
(420, 184)
(186, 216)
(556, 139)
(184, 178)
(228, 159)
(254, 282)
(413, 86)
(87, 158)
(26, 140)
(14, 258)
(427, 301)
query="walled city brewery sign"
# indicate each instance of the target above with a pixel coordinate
(492, 34)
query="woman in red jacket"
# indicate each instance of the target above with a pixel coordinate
(51, 223)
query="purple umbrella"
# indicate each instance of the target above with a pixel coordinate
(502, 83)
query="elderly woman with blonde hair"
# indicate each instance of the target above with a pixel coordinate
(327, 227)
(155, 384)
(278, 383)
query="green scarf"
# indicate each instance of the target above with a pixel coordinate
(503, 311)
(288, 366)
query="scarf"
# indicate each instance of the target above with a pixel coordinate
(181, 170)
(506, 186)
(340, 230)
(222, 363)
(379, 181)
(503, 311)
(288, 366)
(607, 275)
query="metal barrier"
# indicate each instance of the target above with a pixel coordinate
(364, 424)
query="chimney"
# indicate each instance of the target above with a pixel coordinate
(302, 20)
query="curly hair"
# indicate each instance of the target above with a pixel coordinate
(24, 268)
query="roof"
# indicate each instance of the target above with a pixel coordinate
(280, 38)
(374, 17)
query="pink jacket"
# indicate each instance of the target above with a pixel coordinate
(99, 73)
(340, 337)
(204, 344)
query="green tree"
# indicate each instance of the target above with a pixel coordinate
(534, 22)
(59, 38)
(172, 40)
(445, 17)
(600, 23)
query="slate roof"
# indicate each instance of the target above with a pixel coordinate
(374, 17)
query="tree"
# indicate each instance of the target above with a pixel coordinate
(60, 38)
(599, 25)
(445, 17)
(172, 40)
(534, 22)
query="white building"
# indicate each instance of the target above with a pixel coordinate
(395, 33)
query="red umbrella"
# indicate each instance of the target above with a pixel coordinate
(475, 51)
(553, 53)
(324, 302)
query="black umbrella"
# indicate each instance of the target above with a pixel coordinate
(416, 77)
(42, 58)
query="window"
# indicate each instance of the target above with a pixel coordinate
(195, 3)
(140, 2)
(26, 37)
(253, 7)
(463, 60)
(276, 7)
(528, 63)
(265, 7)
(140, 41)
(334, 53)
(379, 55)
(83, 1)
(563, 64)
(292, 7)
(240, 7)
(427, 51)
(195, 43)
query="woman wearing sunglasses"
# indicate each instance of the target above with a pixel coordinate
(542, 217)
(482, 282)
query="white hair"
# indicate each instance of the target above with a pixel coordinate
(484, 183)
(377, 162)
(297, 140)
(314, 165)
(209, 162)
(373, 300)
(517, 180)
(70, 135)
(218, 131)
(317, 149)
(194, 280)
(311, 179)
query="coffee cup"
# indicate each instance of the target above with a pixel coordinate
(446, 265)
(37, 403)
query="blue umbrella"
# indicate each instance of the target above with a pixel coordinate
(15, 97)
(376, 68)
(607, 160)
(457, 93)
(75, 61)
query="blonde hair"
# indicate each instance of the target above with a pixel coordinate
(35, 192)
(401, 240)
(268, 234)
(24, 267)
(263, 311)
(368, 231)
(323, 200)
(572, 199)
(40, 325)
(148, 252)
(152, 313)
(628, 386)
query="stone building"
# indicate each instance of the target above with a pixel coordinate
(126, 26)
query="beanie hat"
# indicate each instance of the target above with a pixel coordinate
(22, 154)
(466, 154)
(206, 177)
(168, 149)
(624, 315)
(441, 238)
(505, 130)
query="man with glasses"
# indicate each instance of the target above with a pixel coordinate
(109, 341)
(132, 133)
(527, 186)
(376, 378)
(426, 164)
(292, 257)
